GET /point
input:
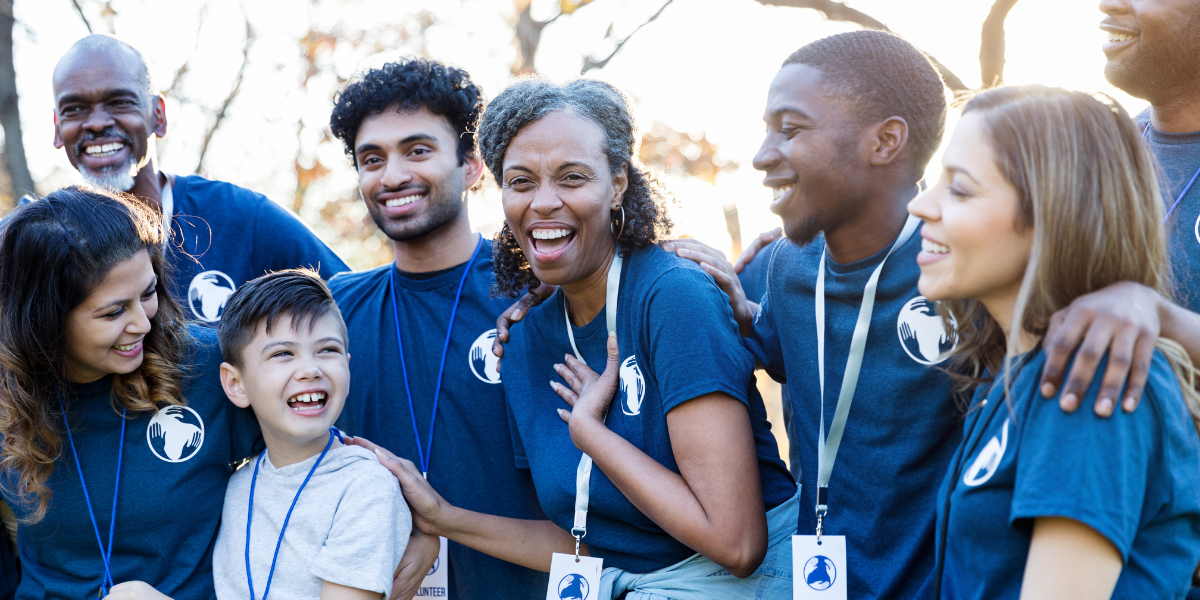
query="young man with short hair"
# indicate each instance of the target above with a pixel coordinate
(107, 115)
(425, 382)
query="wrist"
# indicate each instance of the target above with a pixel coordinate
(1167, 313)
(583, 429)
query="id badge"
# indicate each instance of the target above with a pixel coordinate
(437, 581)
(570, 580)
(819, 571)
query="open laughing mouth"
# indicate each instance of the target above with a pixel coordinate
(308, 403)
(551, 244)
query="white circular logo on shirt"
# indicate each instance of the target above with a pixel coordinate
(1197, 228)
(988, 461)
(921, 332)
(483, 362)
(175, 434)
(633, 387)
(208, 294)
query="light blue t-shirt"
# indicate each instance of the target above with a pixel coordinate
(678, 341)
(1133, 477)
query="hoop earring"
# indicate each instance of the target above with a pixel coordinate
(616, 225)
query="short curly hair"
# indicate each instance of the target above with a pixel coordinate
(886, 76)
(407, 85)
(532, 99)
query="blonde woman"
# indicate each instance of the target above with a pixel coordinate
(1047, 195)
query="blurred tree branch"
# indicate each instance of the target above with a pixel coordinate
(991, 44)
(82, 17)
(838, 11)
(10, 113)
(233, 93)
(589, 63)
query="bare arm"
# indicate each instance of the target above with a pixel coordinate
(1068, 559)
(1125, 320)
(527, 543)
(333, 591)
(419, 555)
(714, 504)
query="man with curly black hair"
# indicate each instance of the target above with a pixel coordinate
(425, 383)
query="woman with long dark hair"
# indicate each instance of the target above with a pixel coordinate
(117, 437)
(1047, 195)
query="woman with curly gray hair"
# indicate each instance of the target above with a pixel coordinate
(690, 498)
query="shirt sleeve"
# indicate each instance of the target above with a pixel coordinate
(693, 340)
(1087, 468)
(369, 533)
(287, 243)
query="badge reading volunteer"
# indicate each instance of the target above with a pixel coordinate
(810, 547)
(573, 577)
(437, 581)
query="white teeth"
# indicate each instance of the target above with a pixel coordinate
(778, 193)
(551, 234)
(307, 398)
(127, 347)
(933, 247)
(402, 201)
(1119, 37)
(104, 150)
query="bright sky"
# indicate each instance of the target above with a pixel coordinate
(703, 65)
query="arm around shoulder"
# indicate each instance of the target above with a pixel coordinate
(1068, 559)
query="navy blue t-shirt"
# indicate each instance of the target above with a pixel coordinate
(754, 284)
(1134, 478)
(678, 341)
(1178, 157)
(173, 474)
(472, 464)
(223, 235)
(903, 425)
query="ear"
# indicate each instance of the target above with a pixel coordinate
(620, 184)
(473, 171)
(160, 115)
(231, 380)
(889, 141)
(58, 143)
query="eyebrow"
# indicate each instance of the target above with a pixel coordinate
(123, 301)
(958, 169)
(106, 95)
(559, 168)
(416, 137)
(286, 343)
(778, 112)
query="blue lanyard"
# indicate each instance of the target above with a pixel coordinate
(422, 454)
(1186, 188)
(250, 512)
(106, 556)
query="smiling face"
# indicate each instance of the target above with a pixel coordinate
(104, 115)
(409, 173)
(295, 378)
(105, 333)
(558, 194)
(810, 154)
(1152, 46)
(973, 245)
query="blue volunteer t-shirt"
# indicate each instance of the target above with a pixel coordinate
(902, 427)
(1134, 478)
(754, 284)
(472, 464)
(223, 235)
(678, 341)
(176, 464)
(1178, 157)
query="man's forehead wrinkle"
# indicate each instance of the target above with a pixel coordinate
(118, 55)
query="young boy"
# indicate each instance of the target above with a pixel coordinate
(325, 519)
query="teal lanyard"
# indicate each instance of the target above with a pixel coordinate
(105, 555)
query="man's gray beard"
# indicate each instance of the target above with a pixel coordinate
(119, 177)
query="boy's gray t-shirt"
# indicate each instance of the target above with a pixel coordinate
(349, 527)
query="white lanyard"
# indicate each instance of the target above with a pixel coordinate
(583, 474)
(168, 210)
(827, 448)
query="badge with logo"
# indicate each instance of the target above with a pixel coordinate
(818, 568)
(437, 581)
(483, 362)
(175, 434)
(208, 294)
(921, 332)
(570, 580)
(633, 387)
(988, 461)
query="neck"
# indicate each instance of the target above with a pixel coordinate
(870, 230)
(447, 246)
(586, 297)
(285, 450)
(148, 184)
(1179, 115)
(1001, 308)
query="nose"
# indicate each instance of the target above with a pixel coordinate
(308, 370)
(545, 200)
(140, 323)
(98, 120)
(1114, 8)
(925, 207)
(396, 175)
(767, 156)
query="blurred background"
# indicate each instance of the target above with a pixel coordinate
(249, 84)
